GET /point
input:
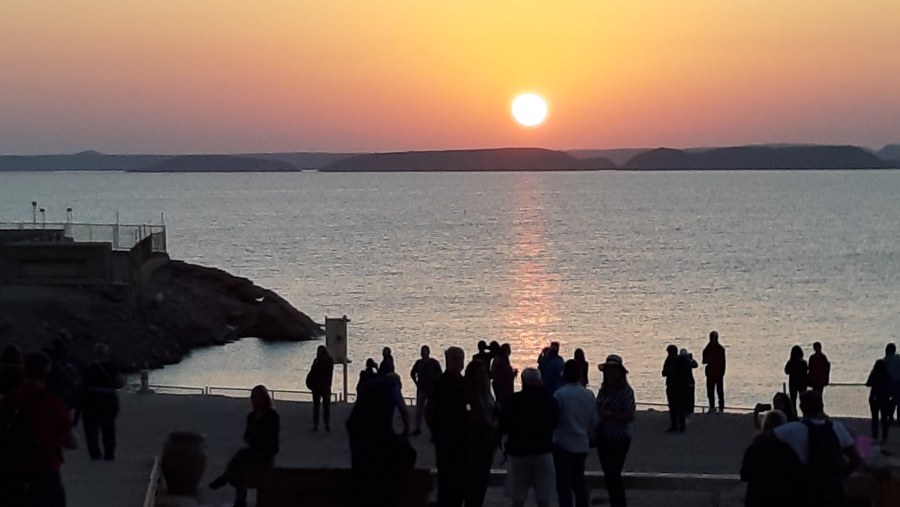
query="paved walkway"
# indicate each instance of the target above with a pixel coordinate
(712, 444)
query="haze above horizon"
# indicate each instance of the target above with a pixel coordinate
(223, 76)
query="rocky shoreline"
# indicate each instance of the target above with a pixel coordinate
(180, 307)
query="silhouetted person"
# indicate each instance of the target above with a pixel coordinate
(481, 432)
(319, 382)
(528, 421)
(387, 362)
(12, 370)
(798, 374)
(880, 400)
(483, 354)
(37, 429)
(582, 363)
(893, 365)
(100, 408)
(551, 368)
(823, 446)
(380, 458)
(503, 375)
(261, 436)
(684, 368)
(819, 369)
(445, 414)
(714, 359)
(674, 391)
(572, 436)
(65, 380)
(367, 375)
(772, 471)
(424, 373)
(615, 413)
(780, 402)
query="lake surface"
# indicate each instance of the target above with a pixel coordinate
(612, 262)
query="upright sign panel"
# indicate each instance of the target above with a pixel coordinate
(336, 338)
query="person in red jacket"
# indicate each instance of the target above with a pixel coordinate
(819, 369)
(714, 359)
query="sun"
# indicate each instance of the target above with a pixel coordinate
(529, 110)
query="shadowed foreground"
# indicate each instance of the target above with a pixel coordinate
(713, 444)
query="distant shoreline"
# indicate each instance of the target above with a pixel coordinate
(747, 158)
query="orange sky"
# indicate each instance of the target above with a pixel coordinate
(175, 76)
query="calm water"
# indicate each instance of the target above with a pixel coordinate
(610, 262)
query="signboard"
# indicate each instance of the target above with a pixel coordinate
(336, 338)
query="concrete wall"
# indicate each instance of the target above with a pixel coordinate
(56, 263)
(8, 236)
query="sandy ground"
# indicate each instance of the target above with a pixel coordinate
(713, 444)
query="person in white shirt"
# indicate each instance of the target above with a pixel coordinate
(825, 472)
(571, 439)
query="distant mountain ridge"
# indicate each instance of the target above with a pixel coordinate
(218, 163)
(758, 157)
(498, 159)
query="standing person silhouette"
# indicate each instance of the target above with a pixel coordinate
(819, 369)
(446, 414)
(798, 374)
(615, 413)
(100, 404)
(319, 382)
(387, 362)
(503, 375)
(714, 359)
(674, 391)
(893, 365)
(582, 363)
(424, 373)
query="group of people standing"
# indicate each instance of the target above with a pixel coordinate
(545, 430)
(42, 398)
(678, 369)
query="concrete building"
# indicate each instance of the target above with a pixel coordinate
(79, 254)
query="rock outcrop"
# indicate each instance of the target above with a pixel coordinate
(181, 307)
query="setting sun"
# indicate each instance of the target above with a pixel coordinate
(529, 109)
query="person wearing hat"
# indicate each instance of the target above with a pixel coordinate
(615, 413)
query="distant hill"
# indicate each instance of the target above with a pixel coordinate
(96, 161)
(617, 156)
(303, 160)
(84, 161)
(889, 152)
(218, 163)
(500, 159)
(758, 157)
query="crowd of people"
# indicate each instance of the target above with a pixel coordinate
(43, 397)
(544, 431)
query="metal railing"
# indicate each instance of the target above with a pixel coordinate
(231, 391)
(120, 236)
(842, 399)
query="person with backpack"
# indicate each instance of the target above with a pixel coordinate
(825, 449)
(35, 427)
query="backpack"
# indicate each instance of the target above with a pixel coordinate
(20, 447)
(826, 465)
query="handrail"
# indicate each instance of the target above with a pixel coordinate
(153, 487)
